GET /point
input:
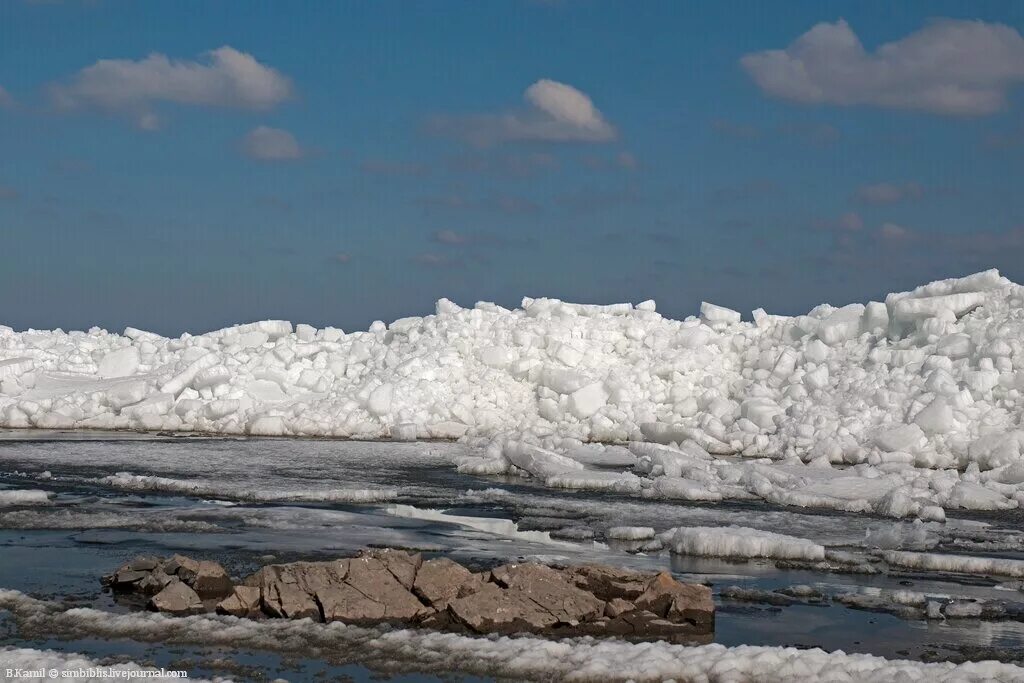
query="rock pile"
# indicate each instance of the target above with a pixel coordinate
(393, 586)
(178, 585)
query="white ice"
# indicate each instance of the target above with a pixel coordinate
(962, 564)
(10, 497)
(737, 541)
(918, 398)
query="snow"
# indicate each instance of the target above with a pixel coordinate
(737, 541)
(514, 658)
(919, 399)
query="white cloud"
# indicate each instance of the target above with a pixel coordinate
(556, 112)
(850, 222)
(224, 77)
(950, 67)
(889, 193)
(271, 144)
(449, 237)
(890, 232)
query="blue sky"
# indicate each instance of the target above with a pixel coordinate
(187, 165)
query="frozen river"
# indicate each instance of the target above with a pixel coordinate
(101, 499)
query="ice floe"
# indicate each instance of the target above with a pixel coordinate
(10, 497)
(736, 541)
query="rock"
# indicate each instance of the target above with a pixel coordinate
(181, 566)
(345, 603)
(548, 587)
(154, 582)
(309, 576)
(492, 609)
(210, 580)
(288, 601)
(125, 579)
(372, 578)
(402, 565)
(608, 583)
(677, 601)
(393, 586)
(438, 581)
(143, 564)
(244, 601)
(617, 606)
(177, 598)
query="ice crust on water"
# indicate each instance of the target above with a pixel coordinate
(519, 658)
(918, 397)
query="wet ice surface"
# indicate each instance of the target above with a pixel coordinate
(110, 497)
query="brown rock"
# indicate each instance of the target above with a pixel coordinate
(244, 601)
(372, 578)
(176, 598)
(549, 589)
(492, 609)
(345, 603)
(609, 583)
(154, 582)
(288, 601)
(617, 606)
(438, 581)
(126, 579)
(401, 564)
(209, 580)
(688, 602)
(181, 566)
(143, 564)
(309, 576)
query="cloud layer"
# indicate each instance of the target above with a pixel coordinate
(950, 67)
(271, 144)
(223, 77)
(556, 112)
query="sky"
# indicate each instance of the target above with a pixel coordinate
(183, 165)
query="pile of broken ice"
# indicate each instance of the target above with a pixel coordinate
(902, 408)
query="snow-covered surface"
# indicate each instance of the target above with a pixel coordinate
(77, 667)
(918, 399)
(524, 658)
